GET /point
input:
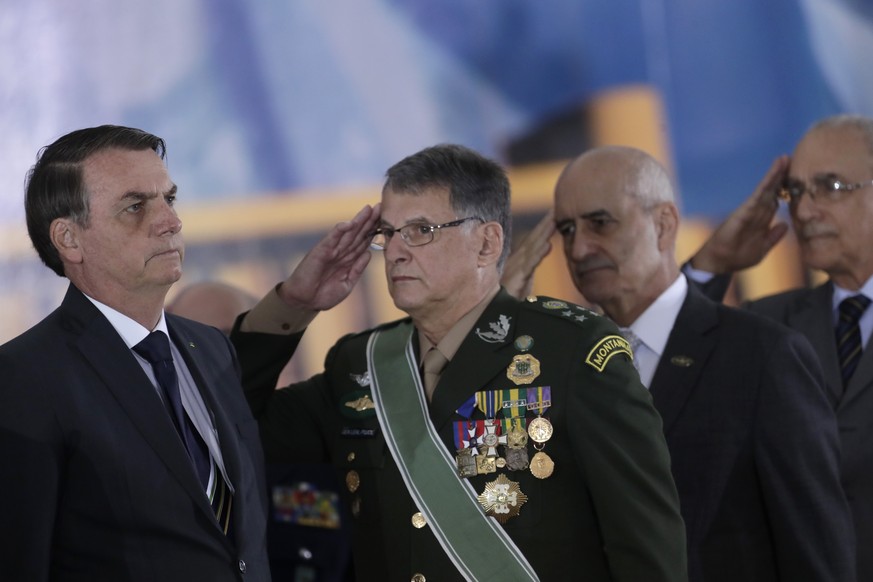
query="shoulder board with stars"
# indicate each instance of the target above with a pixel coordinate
(560, 308)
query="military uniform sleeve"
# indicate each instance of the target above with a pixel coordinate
(619, 443)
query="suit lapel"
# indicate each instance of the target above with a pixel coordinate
(102, 347)
(477, 360)
(688, 348)
(812, 317)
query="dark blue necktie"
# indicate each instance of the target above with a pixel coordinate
(849, 334)
(156, 349)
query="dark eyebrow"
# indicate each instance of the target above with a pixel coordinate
(139, 196)
(416, 220)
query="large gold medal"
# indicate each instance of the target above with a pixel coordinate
(540, 429)
(502, 498)
(542, 465)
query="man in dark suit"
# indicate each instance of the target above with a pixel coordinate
(752, 439)
(129, 450)
(530, 451)
(828, 186)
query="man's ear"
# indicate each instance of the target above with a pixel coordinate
(492, 244)
(64, 235)
(666, 225)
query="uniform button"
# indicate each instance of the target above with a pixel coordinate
(356, 506)
(418, 578)
(353, 481)
(286, 326)
(351, 456)
(242, 566)
(418, 520)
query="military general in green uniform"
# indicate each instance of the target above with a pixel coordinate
(482, 437)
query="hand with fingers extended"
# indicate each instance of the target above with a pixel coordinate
(528, 254)
(330, 270)
(748, 234)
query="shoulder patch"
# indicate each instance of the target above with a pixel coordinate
(605, 349)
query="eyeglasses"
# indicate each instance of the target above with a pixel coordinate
(825, 187)
(415, 234)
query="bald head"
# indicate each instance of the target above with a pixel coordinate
(213, 303)
(615, 211)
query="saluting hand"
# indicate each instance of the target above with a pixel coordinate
(329, 272)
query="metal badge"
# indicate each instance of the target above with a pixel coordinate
(682, 361)
(523, 343)
(353, 481)
(517, 459)
(523, 369)
(418, 520)
(362, 380)
(540, 429)
(498, 333)
(485, 465)
(466, 464)
(502, 499)
(542, 465)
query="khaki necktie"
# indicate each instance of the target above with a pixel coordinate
(434, 362)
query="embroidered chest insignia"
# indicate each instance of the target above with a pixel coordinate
(498, 333)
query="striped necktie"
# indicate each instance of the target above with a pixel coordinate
(155, 348)
(848, 334)
(635, 343)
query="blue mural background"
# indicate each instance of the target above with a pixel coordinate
(267, 97)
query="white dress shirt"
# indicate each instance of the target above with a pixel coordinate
(654, 325)
(132, 333)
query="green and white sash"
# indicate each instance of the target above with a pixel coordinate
(477, 545)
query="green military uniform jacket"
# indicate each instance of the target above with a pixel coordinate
(609, 511)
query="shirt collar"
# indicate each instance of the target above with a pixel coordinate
(452, 341)
(653, 327)
(130, 331)
(841, 293)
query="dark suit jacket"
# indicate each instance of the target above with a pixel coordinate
(609, 512)
(754, 447)
(97, 486)
(809, 311)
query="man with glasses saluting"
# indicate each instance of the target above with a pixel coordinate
(482, 437)
(827, 186)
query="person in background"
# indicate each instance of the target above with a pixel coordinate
(827, 185)
(753, 441)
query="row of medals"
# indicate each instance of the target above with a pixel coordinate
(503, 498)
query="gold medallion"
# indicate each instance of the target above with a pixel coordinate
(524, 369)
(517, 437)
(540, 429)
(353, 481)
(485, 464)
(542, 465)
(500, 462)
(502, 498)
